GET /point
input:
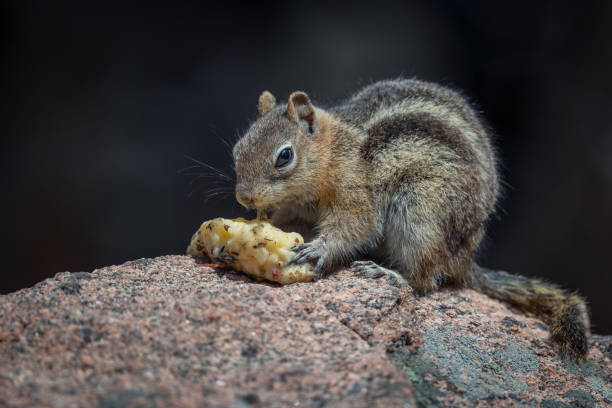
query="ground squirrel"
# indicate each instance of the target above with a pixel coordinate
(403, 175)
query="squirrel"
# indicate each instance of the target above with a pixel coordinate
(400, 179)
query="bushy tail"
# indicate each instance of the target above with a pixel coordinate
(564, 312)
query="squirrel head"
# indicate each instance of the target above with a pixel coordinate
(274, 160)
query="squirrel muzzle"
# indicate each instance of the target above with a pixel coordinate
(245, 200)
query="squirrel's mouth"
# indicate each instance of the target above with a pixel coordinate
(262, 214)
(253, 204)
(250, 198)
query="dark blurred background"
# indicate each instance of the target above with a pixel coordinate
(101, 102)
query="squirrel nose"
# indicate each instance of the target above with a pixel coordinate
(244, 199)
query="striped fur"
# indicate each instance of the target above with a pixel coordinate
(402, 172)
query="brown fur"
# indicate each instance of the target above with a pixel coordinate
(565, 312)
(402, 172)
(266, 102)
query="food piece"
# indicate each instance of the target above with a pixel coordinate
(255, 247)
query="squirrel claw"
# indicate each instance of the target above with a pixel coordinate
(372, 270)
(318, 270)
(309, 252)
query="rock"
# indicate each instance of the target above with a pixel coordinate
(168, 332)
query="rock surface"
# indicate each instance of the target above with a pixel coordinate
(169, 332)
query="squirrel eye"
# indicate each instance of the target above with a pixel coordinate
(284, 158)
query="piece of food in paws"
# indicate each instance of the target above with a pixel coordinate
(255, 247)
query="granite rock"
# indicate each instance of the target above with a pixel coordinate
(171, 332)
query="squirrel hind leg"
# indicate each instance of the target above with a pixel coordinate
(407, 248)
(371, 269)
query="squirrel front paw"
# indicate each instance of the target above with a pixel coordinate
(310, 251)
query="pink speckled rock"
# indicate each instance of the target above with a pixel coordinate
(169, 332)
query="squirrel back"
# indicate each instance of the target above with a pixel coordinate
(432, 168)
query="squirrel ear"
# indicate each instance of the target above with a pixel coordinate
(299, 107)
(266, 102)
